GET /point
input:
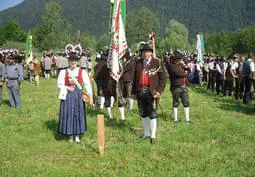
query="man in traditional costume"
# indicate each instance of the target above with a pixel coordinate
(149, 83)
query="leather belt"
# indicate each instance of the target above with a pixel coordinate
(13, 78)
(180, 86)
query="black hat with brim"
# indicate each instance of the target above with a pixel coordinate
(177, 55)
(73, 56)
(17, 58)
(146, 47)
(127, 55)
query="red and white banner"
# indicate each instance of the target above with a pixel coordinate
(118, 42)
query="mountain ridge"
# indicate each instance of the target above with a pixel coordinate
(92, 16)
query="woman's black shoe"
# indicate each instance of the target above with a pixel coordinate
(144, 137)
(153, 141)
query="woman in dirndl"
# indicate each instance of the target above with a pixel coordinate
(72, 115)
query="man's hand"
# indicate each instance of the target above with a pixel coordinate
(157, 95)
(1, 83)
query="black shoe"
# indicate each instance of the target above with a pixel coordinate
(153, 141)
(111, 120)
(188, 122)
(144, 137)
(123, 122)
(175, 121)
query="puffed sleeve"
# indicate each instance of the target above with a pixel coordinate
(61, 80)
(86, 82)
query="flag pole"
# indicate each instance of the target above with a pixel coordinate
(117, 100)
(152, 38)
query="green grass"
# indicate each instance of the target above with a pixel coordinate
(220, 142)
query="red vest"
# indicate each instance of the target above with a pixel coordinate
(144, 78)
(79, 78)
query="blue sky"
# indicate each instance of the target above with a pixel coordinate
(5, 4)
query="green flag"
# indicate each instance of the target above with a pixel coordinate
(123, 11)
(28, 45)
(110, 16)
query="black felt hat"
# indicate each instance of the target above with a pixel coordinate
(146, 47)
(73, 56)
(177, 55)
(127, 55)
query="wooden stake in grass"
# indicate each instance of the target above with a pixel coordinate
(100, 133)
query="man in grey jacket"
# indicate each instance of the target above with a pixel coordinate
(13, 77)
(2, 72)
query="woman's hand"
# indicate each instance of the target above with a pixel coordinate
(91, 102)
(70, 89)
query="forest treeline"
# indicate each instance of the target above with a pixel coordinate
(53, 30)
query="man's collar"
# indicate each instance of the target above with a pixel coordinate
(148, 60)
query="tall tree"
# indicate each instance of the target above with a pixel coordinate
(88, 41)
(55, 29)
(12, 32)
(103, 42)
(176, 36)
(52, 20)
(146, 22)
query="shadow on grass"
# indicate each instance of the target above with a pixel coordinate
(246, 109)
(53, 126)
(227, 103)
(6, 102)
(123, 125)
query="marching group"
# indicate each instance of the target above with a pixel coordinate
(230, 76)
(143, 77)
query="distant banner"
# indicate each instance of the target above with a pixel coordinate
(29, 47)
(200, 48)
(29, 43)
(202, 43)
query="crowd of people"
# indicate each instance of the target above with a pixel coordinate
(229, 76)
(143, 77)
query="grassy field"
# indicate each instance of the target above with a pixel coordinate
(219, 142)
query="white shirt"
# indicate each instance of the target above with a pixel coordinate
(197, 65)
(252, 67)
(235, 66)
(75, 73)
(211, 65)
(225, 65)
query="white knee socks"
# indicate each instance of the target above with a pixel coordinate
(186, 112)
(149, 124)
(109, 110)
(122, 113)
(175, 110)
(130, 103)
(153, 128)
(146, 122)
